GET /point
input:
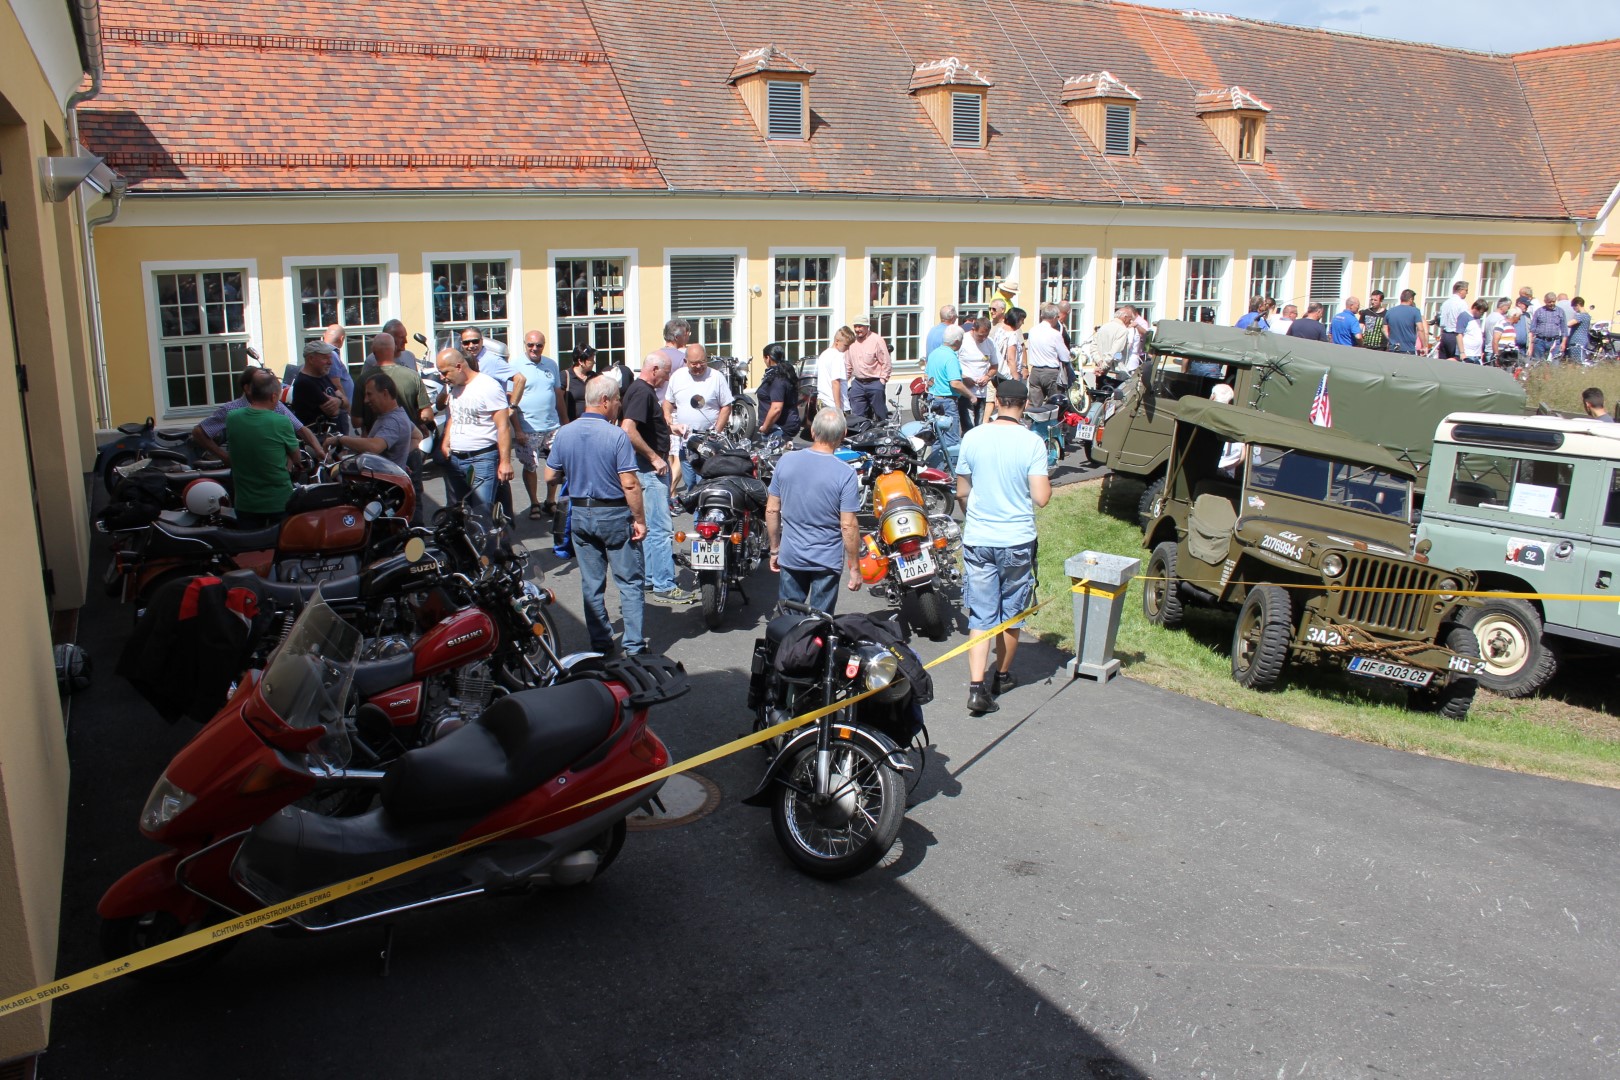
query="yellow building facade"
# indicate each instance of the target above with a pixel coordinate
(746, 271)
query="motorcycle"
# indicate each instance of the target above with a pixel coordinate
(744, 406)
(329, 528)
(1094, 395)
(233, 805)
(909, 554)
(834, 787)
(728, 540)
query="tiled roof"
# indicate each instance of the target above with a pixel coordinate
(767, 58)
(1574, 93)
(1228, 99)
(634, 95)
(1099, 84)
(947, 72)
(299, 95)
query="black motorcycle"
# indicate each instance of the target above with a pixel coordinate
(834, 787)
(727, 505)
(744, 408)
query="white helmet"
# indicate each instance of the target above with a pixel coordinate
(204, 498)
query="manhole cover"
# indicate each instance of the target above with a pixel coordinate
(684, 799)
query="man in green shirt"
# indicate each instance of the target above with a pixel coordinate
(264, 451)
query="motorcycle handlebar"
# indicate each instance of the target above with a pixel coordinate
(794, 605)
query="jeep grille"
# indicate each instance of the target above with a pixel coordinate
(1402, 613)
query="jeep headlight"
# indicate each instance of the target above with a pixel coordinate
(1448, 588)
(166, 803)
(1332, 564)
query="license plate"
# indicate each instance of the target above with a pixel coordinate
(708, 555)
(920, 565)
(1383, 669)
(1084, 432)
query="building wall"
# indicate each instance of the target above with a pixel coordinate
(36, 51)
(271, 237)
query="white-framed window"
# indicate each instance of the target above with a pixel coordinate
(358, 292)
(1137, 282)
(704, 289)
(1328, 274)
(475, 290)
(1203, 288)
(1066, 275)
(1271, 275)
(977, 275)
(1440, 274)
(1495, 279)
(897, 282)
(1388, 276)
(805, 292)
(594, 292)
(202, 317)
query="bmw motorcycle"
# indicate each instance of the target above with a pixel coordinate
(728, 540)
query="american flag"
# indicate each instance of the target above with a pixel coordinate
(1321, 408)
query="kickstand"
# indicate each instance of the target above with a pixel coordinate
(386, 957)
(658, 802)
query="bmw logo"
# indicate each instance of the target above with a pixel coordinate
(348, 521)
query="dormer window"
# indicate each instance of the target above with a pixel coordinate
(954, 97)
(1105, 109)
(784, 110)
(1238, 120)
(776, 89)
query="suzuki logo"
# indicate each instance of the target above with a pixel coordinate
(464, 638)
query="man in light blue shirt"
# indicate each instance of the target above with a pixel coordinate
(537, 393)
(1001, 477)
(936, 335)
(945, 386)
(335, 336)
(1346, 325)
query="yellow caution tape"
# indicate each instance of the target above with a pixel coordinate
(223, 931)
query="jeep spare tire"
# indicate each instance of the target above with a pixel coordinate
(1518, 660)
(1265, 628)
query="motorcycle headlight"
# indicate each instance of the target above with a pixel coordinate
(878, 667)
(1448, 588)
(1332, 564)
(166, 803)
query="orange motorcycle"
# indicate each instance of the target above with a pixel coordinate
(909, 554)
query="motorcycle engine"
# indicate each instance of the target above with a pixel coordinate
(311, 570)
(384, 647)
(457, 700)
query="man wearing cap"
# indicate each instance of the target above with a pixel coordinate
(317, 392)
(1001, 477)
(869, 368)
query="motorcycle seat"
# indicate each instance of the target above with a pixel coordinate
(172, 435)
(520, 742)
(178, 479)
(197, 538)
(132, 428)
(778, 626)
(343, 590)
(307, 497)
(379, 676)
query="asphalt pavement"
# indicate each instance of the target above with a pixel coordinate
(1095, 882)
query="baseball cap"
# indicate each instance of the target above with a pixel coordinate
(864, 320)
(1012, 390)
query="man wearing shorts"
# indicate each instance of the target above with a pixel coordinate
(1001, 478)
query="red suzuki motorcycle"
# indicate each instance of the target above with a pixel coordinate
(238, 805)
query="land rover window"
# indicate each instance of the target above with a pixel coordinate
(1611, 509)
(1337, 483)
(1515, 484)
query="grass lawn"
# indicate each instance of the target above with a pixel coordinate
(1559, 388)
(1569, 733)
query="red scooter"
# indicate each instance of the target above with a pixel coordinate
(239, 804)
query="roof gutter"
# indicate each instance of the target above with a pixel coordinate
(86, 15)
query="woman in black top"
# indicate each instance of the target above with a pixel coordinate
(574, 380)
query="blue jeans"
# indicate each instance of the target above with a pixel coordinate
(484, 463)
(1545, 347)
(999, 583)
(602, 539)
(949, 437)
(818, 588)
(658, 549)
(866, 399)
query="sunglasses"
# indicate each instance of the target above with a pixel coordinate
(531, 345)
(471, 344)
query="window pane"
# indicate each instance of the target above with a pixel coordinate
(467, 295)
(1441, 276)
(1266, 277)
(1134, 282)
(1063, 281)
(202, 326)
(976, 279)
(1201, 289)
(896, 301)
(1515, 484)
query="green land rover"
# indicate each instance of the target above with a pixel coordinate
(1389, 399)
(1532, 505)
(1307, 533)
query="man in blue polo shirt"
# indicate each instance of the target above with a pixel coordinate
(1347, 324)
(945, 386)
(1405, 325)
(594, 455)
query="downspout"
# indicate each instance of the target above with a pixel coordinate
(87, 16)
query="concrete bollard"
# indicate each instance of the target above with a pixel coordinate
(1100, 581)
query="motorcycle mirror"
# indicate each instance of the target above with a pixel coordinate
(374, 510)
(415, 549)
(421, 340)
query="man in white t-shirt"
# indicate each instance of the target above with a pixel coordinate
(1047, 355)
(477, 431)
(975, 356)
(696, 398)
(832, 372)
(1279, 324)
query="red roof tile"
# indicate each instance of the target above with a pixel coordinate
(1574, 94)
(767, 58)
(1098, 85)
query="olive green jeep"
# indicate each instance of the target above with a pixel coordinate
(1307, 533)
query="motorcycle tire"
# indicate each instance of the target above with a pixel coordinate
(131, 934)
(714, 593)
(515, 675)
(109, 471)
(827, 849)
(919, 406)
(744, 420)
(938, 500)
(931, 617)
(1079, 399)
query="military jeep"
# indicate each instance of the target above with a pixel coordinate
(1308, 536)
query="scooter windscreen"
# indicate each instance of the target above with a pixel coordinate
(307, 679)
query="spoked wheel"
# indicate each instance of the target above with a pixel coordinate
(514, 674)
(938, 499)
(854, 826)
(120, 937)
(1079, 399)
(744, 419)
(715, 591)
